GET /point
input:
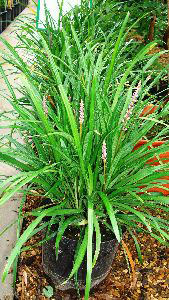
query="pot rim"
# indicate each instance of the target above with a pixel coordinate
(65, 238)
(102, 242)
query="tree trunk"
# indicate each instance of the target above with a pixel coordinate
(168, 25)
(151, 29)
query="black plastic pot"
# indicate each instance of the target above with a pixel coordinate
(3, 20)
(23, 4)
(20, 8)
(60, 269)
(12, 14)
(9, 16)
(2, 10)
(6, 16)
(16, 10)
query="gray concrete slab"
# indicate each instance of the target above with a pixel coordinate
(8, 213)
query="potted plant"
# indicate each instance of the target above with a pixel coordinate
(79, 156)
(3, 5)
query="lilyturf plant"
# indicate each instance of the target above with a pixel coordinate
(78, 139)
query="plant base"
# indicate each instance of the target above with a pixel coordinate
(60, 269)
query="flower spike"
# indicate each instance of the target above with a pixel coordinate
(81, 117)
(104, 151)
(131, 105)
(44, 104)
(104, 158)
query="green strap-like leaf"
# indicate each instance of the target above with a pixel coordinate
(98, 239)
(61, 231)
(111, 214)
(80, 255)
(89, 249)
(37, 102)
(67, 106)
(14, 162)
(16, 186)
(137, 58)
(54, 211)
(137, 246)
(24, 237)
(134, 211)
(115, 52)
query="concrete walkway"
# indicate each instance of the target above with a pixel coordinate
(8, 213)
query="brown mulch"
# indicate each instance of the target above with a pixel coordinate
(152, 277)
(164, 57)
